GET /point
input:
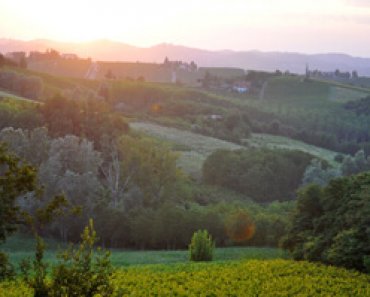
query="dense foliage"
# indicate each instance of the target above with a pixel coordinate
(264, 175)
(331, 224)
(16, 180)
(91, 119)
(360, 107)
(28, 86)
(321, 173)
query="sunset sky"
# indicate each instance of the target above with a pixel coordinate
(269, 25)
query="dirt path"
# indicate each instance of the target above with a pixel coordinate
(263, 89)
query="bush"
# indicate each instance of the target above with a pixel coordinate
(367, 263)
(37, 279)
(6, 268)
(201, 247)
(80, 273)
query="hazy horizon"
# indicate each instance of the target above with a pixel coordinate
(328, 26)
(181, 45)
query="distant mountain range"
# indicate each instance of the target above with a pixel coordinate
(106, 50)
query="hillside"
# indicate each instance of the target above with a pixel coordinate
(105, 50)
(195, 148)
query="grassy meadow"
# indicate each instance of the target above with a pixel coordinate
(20, 247)
(194, 148)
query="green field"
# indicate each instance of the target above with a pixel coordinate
(21, 247)
(242, 278)
(280, 142)
(13, 103)
(6, 95)
(194, 148)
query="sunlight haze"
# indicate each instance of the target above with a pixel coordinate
(279, 25)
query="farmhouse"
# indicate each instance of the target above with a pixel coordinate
(241, 87)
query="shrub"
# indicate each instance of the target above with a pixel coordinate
(367, 263)
(201, 247)
(6, 268)
(37, 279)
(80, 272)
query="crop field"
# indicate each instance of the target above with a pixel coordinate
(243, 278)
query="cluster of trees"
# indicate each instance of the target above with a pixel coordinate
(331, 224)
(135, 172)
(233, 127)
(6, 62)
(92, 119)
(134, 192)
(27, 118)
(360, 107)
(28, 86)
(262, 174)
(171, 225)
(321, 173)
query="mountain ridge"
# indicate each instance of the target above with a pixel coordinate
(108, 50)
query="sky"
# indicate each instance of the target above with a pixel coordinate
(268, 25)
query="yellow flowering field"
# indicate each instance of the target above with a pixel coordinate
(247, 278)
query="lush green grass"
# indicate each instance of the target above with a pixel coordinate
(15, 104)
(343, 95)
(20, 247)
(5, 96)
(294, 89)
(280, 142)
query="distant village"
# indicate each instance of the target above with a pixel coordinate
(232, 80)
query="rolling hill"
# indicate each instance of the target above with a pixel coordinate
(106, 50)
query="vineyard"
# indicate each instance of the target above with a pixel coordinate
(246, 278)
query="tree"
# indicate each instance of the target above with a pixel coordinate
(110, 75)
(83, 271)
(72, 168)
(33, 146)
(331, 224)
(148, 165)
(201, 247)
(356, 164)
(16, 180)
(315, 173)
